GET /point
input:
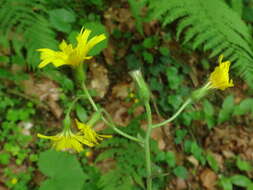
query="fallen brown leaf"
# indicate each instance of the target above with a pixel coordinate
(99, 79)
(208, 179)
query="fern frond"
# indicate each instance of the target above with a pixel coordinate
(25, 20)
(212, 25)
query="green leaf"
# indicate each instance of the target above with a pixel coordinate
(4, 158)
(181, 172)
(209, 114)
(243, 165)
(60, 19)
(175, 100)
(197, 151)
(186, 119)
(180, 134)
(225, 183)
(81, 113)
(237, 5)
(170, 159)
(106, 154)
(250, 186)
(97, 28)
(212, 162)
(173, 78)
(164, 51)
(150, 42)
(136, 9)
(148, 57)
(4, 59)
(244, 107)
(240, 180)
(227, 109)
(63, 169)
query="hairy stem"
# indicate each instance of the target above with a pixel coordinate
(187, 102)
(111, 124)
(147, 146)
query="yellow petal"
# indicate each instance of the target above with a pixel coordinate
(50, 56)
(82, 37)
(67, 49)
(95, 40)
(106, 136)
(219, 78)
(84, 141)
(54, 138)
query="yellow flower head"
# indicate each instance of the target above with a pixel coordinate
(14, 181)
(69, 55)
(219, 78)
(89, 134)
(66, 140)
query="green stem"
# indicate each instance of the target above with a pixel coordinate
(111, 124)
(187, 102)
(147, 146)
(73, 103)
(67, 121)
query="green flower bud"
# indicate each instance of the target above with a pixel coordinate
(143, 90)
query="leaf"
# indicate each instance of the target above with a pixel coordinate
(180, 134)
(174, 79)
(212, 162)
(240, 180)
(63, 169)
(225, 183)
(136, 9)
(175, 100)
(250, 186)
(208, 178)
(60, 19)
(81, 113)
(181, 171)
(243, 165)
(170, 159)
(106, 154)
(227, 109)
(148, 57)
(150, 42)
(209, 114)
(244, 107)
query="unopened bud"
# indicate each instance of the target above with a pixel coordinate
(143, 90)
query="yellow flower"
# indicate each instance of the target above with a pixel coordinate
(67, 140)
(219, 78)
(69, 55)
(14, 181)
(89, 134)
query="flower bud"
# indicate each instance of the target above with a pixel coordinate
(143, 90)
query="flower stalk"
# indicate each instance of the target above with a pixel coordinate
(147, 146)
(109, 123)
(185, 104)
